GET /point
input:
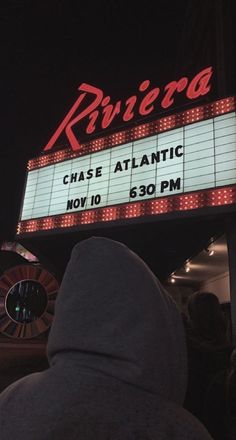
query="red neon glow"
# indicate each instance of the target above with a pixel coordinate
(183, 202)
(167, 123)
(101, 106)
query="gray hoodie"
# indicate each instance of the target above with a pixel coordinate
(117, 358)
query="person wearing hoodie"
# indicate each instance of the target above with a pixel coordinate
(117, 358)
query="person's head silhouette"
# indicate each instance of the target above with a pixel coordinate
(207, 318)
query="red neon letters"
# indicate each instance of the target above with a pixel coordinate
(101, 108)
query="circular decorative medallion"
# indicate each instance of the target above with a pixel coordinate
(27, 298)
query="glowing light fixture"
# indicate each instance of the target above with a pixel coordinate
(210, 250)
(187, 267)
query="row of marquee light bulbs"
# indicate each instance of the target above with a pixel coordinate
(187, 265)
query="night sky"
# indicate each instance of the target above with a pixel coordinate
(48, 48)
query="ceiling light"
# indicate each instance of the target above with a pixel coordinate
(210, 250)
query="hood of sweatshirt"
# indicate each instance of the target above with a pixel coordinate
(114, 317)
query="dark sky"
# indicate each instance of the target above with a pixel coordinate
(49, 47)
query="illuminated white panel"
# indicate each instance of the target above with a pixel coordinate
(138, 176)
(145, 144)
(198, 180)
(231, 156)
(170, 137)
(197, 187)
(168, 171)
(98, 186)
(201, 138)
(29, 196)
(205, 170)
(224, 140)
(198, 128)
(195, 157)
(199, 160)
(200, 163)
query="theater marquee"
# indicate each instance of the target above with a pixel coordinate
(182, 162)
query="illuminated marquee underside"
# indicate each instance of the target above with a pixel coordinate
(182, 162)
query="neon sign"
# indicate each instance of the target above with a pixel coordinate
(100, 112)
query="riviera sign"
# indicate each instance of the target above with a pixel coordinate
(99, 112)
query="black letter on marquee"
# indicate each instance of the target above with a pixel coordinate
(118, 167)
(73, 177)
(81, 176)
(177, 153)
(98, 172)
(164, 152)
(156, 157)
(175, 184)
(69, 204)
(144, 160)
(126, 161)
(90, 173)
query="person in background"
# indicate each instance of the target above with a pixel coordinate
(231, 385)
(208, 347)
(231, 396)
(117, 358)
(220, 403)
